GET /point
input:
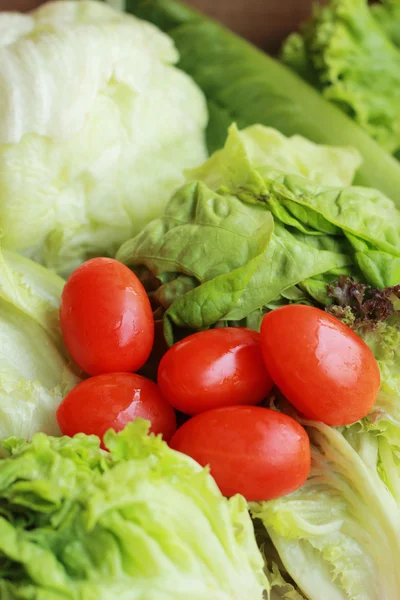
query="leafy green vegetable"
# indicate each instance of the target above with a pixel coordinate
(339, 535)
(141, 522)
(351, 59)
(266, 149)
(96, 127)
(245, 86)
(286, 262)
(244, 234)
(377, 441)
(387, 13)
(282, 585)
(35, 371)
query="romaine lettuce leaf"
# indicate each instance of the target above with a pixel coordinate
(96, 128)
(142, 522)
(245, 86)
(35, 370)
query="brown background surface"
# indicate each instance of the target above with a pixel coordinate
(265, 22)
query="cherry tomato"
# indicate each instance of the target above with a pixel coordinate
(210, 369)
(322, 367)
(106, 318)
(111, 401)
(253, 451)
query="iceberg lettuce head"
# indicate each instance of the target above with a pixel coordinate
(96, 128)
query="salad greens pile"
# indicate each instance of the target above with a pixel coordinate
(140, 522)
(35, 371)
(349, 51)
(91, 151)
(297, 205)
(270, 220)
(262, 223)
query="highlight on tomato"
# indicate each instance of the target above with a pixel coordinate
(324, 369)
(254, 451)
(106, 318)
(214, 368)
(111, 401)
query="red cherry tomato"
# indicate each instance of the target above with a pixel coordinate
(253, 451)
(106, 318)
(210, 369)
(322, 367)
(111, 401)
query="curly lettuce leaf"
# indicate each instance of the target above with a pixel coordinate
(140, 522)
(354, 64)
(387, 13)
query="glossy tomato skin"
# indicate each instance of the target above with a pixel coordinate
(322, 367)
(253, 451)
(106, 318)
(113, 400)
(214, 368)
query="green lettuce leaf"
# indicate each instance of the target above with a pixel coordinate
(260, 224)
(286, 262)
(387, 13)
(282, 585)
(377, 441)
(354, 63)
(35, 370)
(267, 150)
(234, 232)
(141, 522)
(92, 143)
(245, 86)
(339, 535)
